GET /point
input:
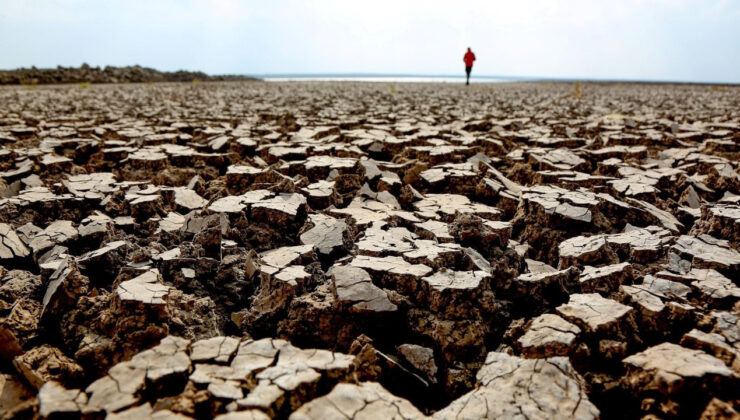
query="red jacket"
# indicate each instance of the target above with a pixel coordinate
(469, 58)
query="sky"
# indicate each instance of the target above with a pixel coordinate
(671, 40)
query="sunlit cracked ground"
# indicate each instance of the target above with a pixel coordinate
(346, 250)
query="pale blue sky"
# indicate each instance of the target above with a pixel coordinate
(682, 40)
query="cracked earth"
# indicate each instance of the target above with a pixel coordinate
(250, 250)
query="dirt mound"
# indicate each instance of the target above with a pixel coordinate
(108, 74)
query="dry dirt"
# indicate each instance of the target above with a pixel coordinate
(339, 250)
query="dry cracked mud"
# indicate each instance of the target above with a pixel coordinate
(251, 250)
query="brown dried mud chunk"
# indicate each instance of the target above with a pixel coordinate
(548, 335)
(672, 370)
(353, 287)
(368, 399)
(46, 363)
(511, 387)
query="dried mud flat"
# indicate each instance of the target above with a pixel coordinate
(356, 251)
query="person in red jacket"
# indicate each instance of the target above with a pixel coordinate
(468, 59)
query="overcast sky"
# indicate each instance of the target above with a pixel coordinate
(683, 40)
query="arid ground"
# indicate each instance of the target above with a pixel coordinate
(255, 250)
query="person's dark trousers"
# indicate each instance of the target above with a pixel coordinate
(467, 74)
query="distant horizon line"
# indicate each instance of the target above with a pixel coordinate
(456, 76)
(485, 76)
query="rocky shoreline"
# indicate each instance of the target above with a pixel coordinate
(107, 74)
(370, 250)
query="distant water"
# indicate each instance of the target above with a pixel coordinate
(383, 78)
